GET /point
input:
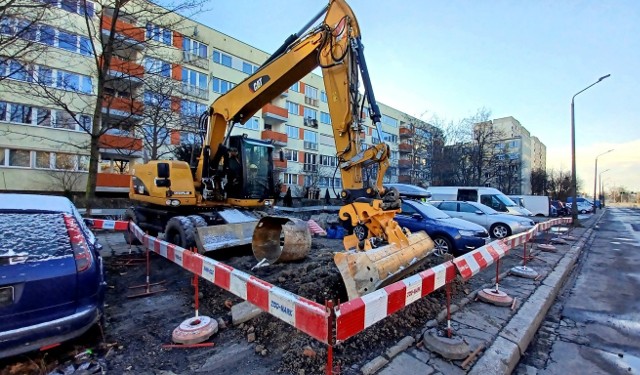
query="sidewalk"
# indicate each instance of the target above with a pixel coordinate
(504, 333)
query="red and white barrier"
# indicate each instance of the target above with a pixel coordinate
(305, 315)
(356, 315)
(472, 263)
(107, 224)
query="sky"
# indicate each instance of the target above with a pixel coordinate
(524, 59)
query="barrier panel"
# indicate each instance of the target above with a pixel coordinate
(350, 317)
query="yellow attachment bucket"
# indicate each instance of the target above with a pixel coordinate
(222, 236)
(365, 271)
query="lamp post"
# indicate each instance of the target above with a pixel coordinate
(600, 188)
(595, 181)
(574, 205)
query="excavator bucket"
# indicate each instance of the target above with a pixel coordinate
(366, 271)
(222, 236)
(237, 231)
(281, 239)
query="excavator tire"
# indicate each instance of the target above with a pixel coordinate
(180, 231)
(129, 238)
(197, 221)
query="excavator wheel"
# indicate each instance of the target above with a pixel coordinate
(129, 238)
(180, 231)
(197, 221)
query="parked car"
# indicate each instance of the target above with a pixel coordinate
(561, 209)
(52, 281)
(498, 224)
(583, 207)
(450, 235)
(491, 197)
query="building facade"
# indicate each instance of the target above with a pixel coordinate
(165, 71)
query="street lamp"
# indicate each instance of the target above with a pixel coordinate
(600, 188)
(595, 181)
(574, 205)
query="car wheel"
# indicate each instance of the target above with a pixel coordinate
(583, 211)
(500, 231)
(443, 246)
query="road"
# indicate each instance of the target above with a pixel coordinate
(594, 326)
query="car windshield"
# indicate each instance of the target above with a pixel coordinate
(432, 212)
(505, 200)
(38, 236)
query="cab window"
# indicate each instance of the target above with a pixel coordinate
(492, 201)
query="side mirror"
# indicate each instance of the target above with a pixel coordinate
(478, 212)
(281, 155)
(416, 216)
(163, 170)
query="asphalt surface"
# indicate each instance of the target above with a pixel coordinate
(594, 327)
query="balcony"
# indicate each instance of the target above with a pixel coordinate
(405, 147)
(310, 146)
(113, 183)
(198, 92)
(311, 101)
(280, 165)
(195, 60)
(126, 70)
(404, 163)
(119, 147)
(406, 132)
(275, 113)
(122, 107)
(125, 33)
(279, 139)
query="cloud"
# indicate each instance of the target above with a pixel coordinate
(623, 163)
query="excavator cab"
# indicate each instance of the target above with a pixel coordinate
(250, 175)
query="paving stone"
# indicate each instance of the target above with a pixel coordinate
(399, 347)
(420, 354)
(500, 358)
(475, 333)
(374, 365)
(406, 364)
(480, 321)
(446, 367)
(243, 312)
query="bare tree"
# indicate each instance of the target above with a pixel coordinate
(110, 97)
(67, 180)
(539, 182)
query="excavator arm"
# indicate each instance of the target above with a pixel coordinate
(378, 251)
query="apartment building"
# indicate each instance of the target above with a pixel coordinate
(161, 73)
(538, 154)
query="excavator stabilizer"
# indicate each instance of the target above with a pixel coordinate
(366, 271)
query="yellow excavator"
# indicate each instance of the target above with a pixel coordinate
(212, 204)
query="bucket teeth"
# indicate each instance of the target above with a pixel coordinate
(366, 271)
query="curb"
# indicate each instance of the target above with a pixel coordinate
(504, 354)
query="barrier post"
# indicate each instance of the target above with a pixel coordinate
(524, 271)
(332, 337)
(149, 288)
(495, 296)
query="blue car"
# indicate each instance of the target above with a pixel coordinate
(450, 235)
(52, 282)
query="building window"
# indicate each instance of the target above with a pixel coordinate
(247, 68)
(310, 136)
(310, 113)
(191, 109)
(194, 78)
(323, 96)
(155, 66)
(325, 118)
(291, 155)
(195, 47)
(295, 87)
(159, 34)
(311, 95)
(293, 132)
(222, 58)
(221, 86)
(252, 124)
(43, 160)
(290, 179)
(329, 161)
(155, 99)
(19, 158)
(388, 137)
(292, 108)
(20, 114)
(389, 121)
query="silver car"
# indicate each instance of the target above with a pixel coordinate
(498, 224)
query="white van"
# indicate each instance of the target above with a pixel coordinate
(491, 197)
(539, 205)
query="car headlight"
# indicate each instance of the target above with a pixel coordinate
(468, 233)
